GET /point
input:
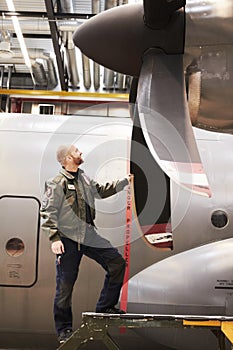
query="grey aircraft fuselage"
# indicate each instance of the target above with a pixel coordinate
(195, 278)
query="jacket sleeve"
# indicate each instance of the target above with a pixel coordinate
(109, 189)
(51, 203)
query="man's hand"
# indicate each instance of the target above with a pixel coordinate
(57, 247)
(130, 178)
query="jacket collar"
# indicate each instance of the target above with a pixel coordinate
(65, 173)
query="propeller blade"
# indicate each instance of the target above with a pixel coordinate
(165, 120)
(150, 183)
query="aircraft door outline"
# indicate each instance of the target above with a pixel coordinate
(19, 240)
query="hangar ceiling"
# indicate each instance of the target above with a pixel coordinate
(52, 62)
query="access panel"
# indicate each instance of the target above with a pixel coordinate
(19, 237)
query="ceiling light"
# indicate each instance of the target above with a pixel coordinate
(18, 31)
(5, 44)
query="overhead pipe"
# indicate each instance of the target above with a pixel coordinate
(2, 76)
(71, 59)
(27, 26)
(41, 26)
(96, 73)
(96, 6)
(8, 86)
(86, 72)
(14, 60)
(9, 75)
(38, 69)
(72, 68)
(52, 79)
(64, 37)
(109, 74)
(110, 4)
(121, 82)
(39, 74)
(67, 6)
(1, 84)
(108, 79)
(52, 75)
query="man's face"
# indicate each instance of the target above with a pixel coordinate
(76, 155)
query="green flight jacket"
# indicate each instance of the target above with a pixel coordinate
(63, 204)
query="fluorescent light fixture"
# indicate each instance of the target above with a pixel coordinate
(21, 41)
(135, 1)
(18, 31)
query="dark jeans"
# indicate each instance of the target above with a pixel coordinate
(103, 253)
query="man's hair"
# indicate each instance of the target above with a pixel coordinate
(62, 152)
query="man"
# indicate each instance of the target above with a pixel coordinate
(68, 210)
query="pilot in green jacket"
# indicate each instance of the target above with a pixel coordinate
(65, 200)
(68, 212)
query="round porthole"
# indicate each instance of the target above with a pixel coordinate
(219, 219)
(15, 247)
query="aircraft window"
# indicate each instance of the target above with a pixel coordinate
(46, 109)
(219, 219)
(15, 247)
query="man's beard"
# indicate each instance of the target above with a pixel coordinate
(79, 161)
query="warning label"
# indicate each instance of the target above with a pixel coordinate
(224, 284)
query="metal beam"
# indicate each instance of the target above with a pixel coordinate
(56, 44)
(34, 36)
